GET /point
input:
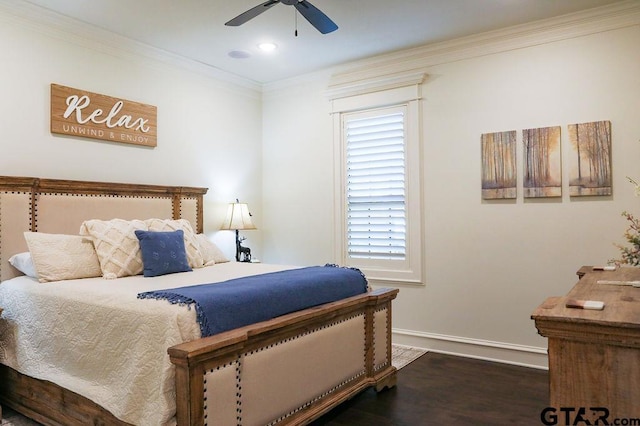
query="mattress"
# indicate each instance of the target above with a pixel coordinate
(96, 338)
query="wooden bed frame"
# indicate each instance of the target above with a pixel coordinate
(289, 370)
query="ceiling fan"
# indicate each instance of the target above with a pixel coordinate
(306, 9)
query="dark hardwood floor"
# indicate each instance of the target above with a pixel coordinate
(447, 390)
(444, 390)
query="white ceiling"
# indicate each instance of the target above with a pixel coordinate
(195, 28)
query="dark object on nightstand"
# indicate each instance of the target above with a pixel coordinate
(243, 254)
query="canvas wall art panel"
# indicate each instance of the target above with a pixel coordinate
(499, 165)
(542, 174)
(590, 159)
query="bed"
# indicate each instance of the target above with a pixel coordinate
(287, 370)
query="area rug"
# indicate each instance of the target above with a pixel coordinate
(400, 357)
(403, 355)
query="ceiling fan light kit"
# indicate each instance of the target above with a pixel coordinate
(311, 13)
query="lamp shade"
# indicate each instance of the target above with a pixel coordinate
(238, 217)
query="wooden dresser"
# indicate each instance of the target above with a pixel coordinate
(594, 355)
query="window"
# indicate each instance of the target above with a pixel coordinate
(378, 184)
(375, 184)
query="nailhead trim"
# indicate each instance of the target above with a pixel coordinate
(238, 363)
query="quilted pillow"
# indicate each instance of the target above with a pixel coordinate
(191, 244)
(116, 245)
(163, 252)
(211, 253)
(59, 257)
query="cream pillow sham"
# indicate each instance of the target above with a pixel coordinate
(211, 253)
(59, 257)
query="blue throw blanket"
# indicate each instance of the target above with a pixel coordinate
(243, 301)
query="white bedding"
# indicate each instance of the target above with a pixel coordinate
(94, 337)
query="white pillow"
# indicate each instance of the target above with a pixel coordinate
(59, 257)
(191, 243)
(116, 245)
(211, 253)
(23, 263)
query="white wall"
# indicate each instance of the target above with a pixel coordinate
(488, 264)
(298, 174)
(209, 130)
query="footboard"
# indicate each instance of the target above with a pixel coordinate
(289, 370)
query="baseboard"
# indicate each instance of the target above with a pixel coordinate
(507, 353)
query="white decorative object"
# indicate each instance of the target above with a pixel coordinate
(116, 245)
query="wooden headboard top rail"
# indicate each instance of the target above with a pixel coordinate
(60, 206)
(15, 183)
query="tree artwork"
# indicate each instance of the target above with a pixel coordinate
(590, 167)
(542, 164)
(499, 165)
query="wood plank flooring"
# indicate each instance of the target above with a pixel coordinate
(441, 389)
(447, 390)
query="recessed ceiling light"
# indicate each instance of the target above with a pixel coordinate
(239, 54)
(267, 47)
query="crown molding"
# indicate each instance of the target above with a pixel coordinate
(55, 25)
(592, 21)
(374, 84)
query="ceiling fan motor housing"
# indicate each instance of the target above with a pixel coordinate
(311, 13)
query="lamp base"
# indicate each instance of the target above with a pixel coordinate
(243, 254)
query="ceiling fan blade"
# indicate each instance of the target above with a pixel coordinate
(251, 13)
(316, 17)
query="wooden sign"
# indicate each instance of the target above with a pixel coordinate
(80, 113)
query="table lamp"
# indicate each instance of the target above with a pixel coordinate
(239, 218)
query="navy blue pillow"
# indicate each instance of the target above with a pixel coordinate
(162, 252)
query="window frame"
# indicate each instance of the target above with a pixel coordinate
(409, 270)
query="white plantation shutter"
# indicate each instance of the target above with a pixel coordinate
(376, 190)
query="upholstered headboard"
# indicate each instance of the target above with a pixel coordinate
(60, 206)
